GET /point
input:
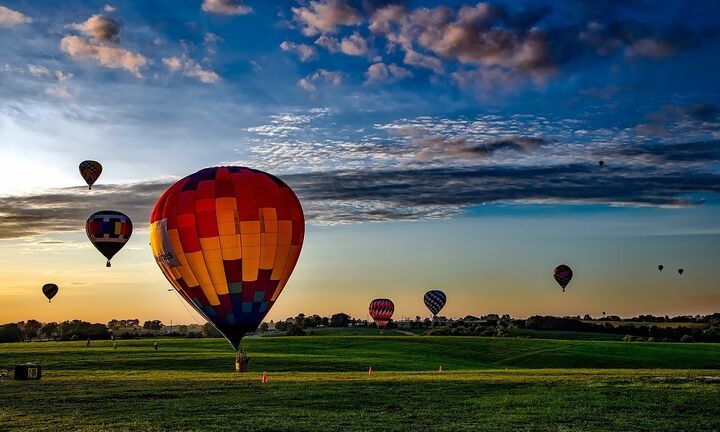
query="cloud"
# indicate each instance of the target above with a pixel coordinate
(38, 71)
(649, 48)
(487, 81)
(226, 7)
(110, 57)
(109, 8)
(190, 68)
(304, 52)
(99, 29)
(11, 18)
(413, 58)
(58, 91)
(334, 197)
(329, 43)
(682, 120)
(325, 16)
(382, 73)
(354, 45)
(320, 76)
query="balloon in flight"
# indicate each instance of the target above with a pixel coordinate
(601, 163)
(90, 170)
(563, 275)
(435, 301)
(50, 290)
(381, 310)
(661, 267)
(108, 230)
(227, 239)
(681, 271)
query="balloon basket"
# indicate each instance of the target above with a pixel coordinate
(241, 361)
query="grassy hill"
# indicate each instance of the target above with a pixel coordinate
(321, 383)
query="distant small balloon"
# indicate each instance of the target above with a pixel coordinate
(661, 267)
(50, 290)
(108, 231)
(90, 171)
(681, 271)
(563, 275)
(601, 163)
(381, 310)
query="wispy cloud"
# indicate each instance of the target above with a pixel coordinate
(226, 7)
(12, 18)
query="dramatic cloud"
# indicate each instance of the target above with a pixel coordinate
(320, 76)
(370, 195)
(649, 48)
(480, 35)
(304, 52)
(190, 68)
(11, 18)
(325, 16)
(329, 43)
(226, 7)
(682, 120)
(99, 28)
(413, 58)
(381, 73)
(110, 57)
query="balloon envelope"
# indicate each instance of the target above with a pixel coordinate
(108, 230)
(227, 239)
(681, 271)
(90, 171)
(601, 163)
(381, 310)
(661, 267)
(50, 290)
(435, 301)
(562, 274)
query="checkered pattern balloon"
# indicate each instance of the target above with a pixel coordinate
(227, 239)
(108, 231)
(562, 274)
(381, 310)
(90, 171)
(435, 301)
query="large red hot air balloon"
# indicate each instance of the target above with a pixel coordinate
(227, 239)
(381, 310)
(562, 274)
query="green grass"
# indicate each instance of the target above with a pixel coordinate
(566, 335)
(321, 383)
(345, 331)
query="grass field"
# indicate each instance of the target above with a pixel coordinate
(321, 384)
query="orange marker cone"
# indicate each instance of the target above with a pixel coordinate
(264, 377)
(370, 371)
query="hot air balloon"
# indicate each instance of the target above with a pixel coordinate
(661, 267)
(381, 310)
(563, 274)
(108, 231)
(601, 163)
(227, 239)
(90, 171)
(50, 290)
(680, 271)
(435, 301)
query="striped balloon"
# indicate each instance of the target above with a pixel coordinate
(563, 274)
(381, 310)
(435, 301)
(108, 230)
(227, 239)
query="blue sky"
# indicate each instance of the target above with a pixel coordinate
(388, 119)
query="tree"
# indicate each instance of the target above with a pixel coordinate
(32, 327)
(153, 325)
(11, 333)
(339, 320)
(50, 330)
(295, 330)
(182, 329)
(209, 331)
(264, 327)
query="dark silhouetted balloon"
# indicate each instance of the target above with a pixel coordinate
(381, 310)
(227, 239)
(563, 275)
(681, 271)
(90, 171)
(435, 301)
(661, 267)
(108, 231)
(50, 290)
(601, 163)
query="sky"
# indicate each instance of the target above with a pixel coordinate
(445, 145)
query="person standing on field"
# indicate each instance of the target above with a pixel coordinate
(87, 344)
(155, 345)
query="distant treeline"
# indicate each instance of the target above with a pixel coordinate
(487, 325)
